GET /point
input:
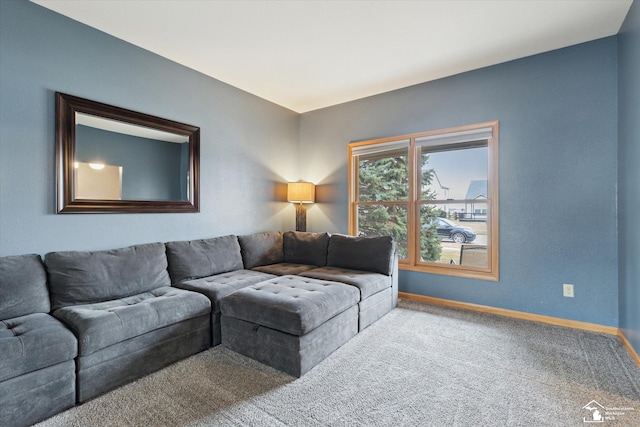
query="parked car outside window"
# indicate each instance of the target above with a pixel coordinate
(450, 231)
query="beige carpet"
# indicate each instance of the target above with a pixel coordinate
(421, 365)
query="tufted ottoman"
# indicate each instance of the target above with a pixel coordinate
(290, 323)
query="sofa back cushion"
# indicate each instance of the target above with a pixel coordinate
(88, 277)
(23, 286)
(374, 254)
(306, 248)
(194, 259)
(261, 249)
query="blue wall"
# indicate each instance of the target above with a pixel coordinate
(558, 139)
(629, 176)
(249, 147)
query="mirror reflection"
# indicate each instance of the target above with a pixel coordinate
(120, 161)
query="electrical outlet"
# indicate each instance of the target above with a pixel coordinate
(567, 290)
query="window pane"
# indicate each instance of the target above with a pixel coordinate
(444, 182)
(448, 237)
(457, 174)
(385, 220)
(384, 176)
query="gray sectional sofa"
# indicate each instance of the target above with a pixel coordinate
(83, 323)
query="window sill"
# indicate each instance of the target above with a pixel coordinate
(453, 271)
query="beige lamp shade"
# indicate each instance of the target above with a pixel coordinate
(301, 192)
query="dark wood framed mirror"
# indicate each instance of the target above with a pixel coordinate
(114, 160)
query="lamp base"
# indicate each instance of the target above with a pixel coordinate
(301, 217)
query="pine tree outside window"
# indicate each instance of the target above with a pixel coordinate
(435, 193)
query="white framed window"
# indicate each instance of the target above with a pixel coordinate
(436, 193)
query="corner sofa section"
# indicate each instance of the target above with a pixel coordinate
(288, 299)
(368, 263)
(329, 288)
(220, 266)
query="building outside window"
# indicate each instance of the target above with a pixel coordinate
(435, 193)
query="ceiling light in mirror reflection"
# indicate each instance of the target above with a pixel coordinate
(96, 166)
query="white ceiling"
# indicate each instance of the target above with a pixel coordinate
(306, 55)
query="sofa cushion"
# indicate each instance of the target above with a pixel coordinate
(291, 304)
(88, 277)
(23, 286)
(220, 285)
(306, 248)
(102, 324)
(201, 258)
(284, 268)
(362, 253)
(261, 249)
(32, 342)
(367, 282)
